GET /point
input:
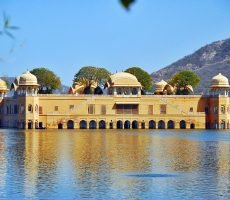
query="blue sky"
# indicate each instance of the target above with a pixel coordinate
(66, 35)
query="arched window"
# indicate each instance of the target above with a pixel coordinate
(134, 91)
(70, 124)
(152, 124)
(171, 124)
(161, 124)
(119, 91)
(102, 124)
(30, 124)
(36, 124)
(134, 124)
(83, 124)
(36, 108)
(92, 124)
(119, 124)
(182, 124)
(30, 108)
(126, 91)
(29, 91)
(192, 126)
(222, 124)
(127, 124)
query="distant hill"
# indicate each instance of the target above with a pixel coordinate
(206, 62)
(63, 90)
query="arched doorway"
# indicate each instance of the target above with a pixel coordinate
(134, 124)
(30, 124)
(222, 125)
(70, 124)
(143, 125)
(161, 124)
(127, 124)
(102, 124)
(83, 124)
(60, 126)
(119, 124)
(36, 124)
(152, 124)
(92, 124)
(182, 124)
(192, 126)
(171, 124)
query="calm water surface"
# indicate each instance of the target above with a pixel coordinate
(113, 164)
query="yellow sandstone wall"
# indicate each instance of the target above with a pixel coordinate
(188, 108)
(50, 110)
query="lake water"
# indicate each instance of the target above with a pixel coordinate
(114, 164)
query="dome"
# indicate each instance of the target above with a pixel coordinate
(160, 86)
(28, 79)
(219, 81)
(3, 85)
(168, 88)
(78, 88)
(123, 79)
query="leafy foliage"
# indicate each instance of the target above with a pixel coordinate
(47, 80)
(127, 3)
(89, 75)
(142, 76)
(184, 78)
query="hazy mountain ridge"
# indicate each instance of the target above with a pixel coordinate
(206, 62)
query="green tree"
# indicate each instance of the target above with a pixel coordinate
(142, 76)
(89, 75)
(47, 80)
(182, 79)
(102, 76)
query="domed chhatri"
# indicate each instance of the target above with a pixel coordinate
(160, 86)
(25, 84)
(123, 79)
(3, 88)
(219, 81)
(123, 83)
(3, 85)
(28, 79)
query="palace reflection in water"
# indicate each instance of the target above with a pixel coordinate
(112, 164)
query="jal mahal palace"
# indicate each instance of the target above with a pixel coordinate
(122, 106)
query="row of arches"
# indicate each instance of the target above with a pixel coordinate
(83, 124)
(127, 124)
(169, 125)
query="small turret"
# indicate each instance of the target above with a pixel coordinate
(3, 88)
(219, 85)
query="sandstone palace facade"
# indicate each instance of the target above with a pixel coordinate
(122, 107)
